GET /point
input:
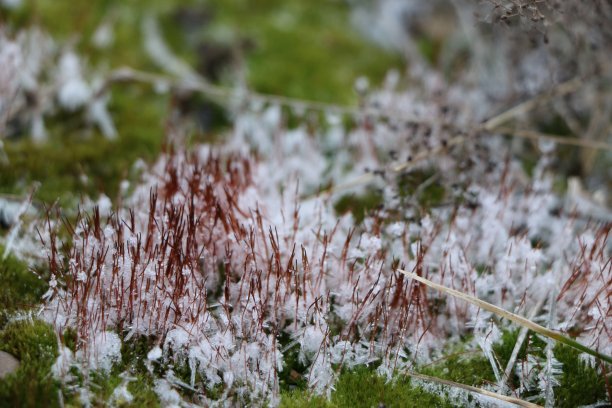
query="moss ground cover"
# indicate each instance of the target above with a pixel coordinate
(34, 343)
(299, 49)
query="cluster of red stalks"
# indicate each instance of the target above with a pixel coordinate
(206, 256)
(587, 292)
(194, 254)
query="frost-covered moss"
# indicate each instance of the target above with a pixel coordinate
(73, 164)
(300, 49)
(286, 59)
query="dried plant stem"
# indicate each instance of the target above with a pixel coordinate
(512, 400)
(429, 154)
(197, 84)
(530, 134)
(510, 316)
(561, 89)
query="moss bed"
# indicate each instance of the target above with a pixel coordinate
(283, 57)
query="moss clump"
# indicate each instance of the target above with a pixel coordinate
(474, 371)
(77, 160)
(142, 391)
(102, 384)
(580, 383)
(351, 391)
(503, 349)
(364, 388)
(32, 385)
(300, 49)
(133, 357)
(134, 354)
(293, 375)
(303, 399)
(20, 288)
(359, 205)
(420, 187)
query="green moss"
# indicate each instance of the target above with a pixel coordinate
(75, 149)
(142, 391)
(580, 383)
(103, 384)
(503, 349)
(134, 354)
(66, 20)
(359, 205)
(20, 288)
(303, 399)
(469, 370)
(351, 391)
(317, 55)
(532, 345)
(300, 49)
(430, 49)
(35, 345)
(419, 185)
(364, 388)
(293, 376)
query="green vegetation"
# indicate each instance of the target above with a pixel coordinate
(299, 49)
(20, 288)
(351, 392)
(503, 349)
(422, 187)
(74, 163)
(34, 344)
(294, 48)
(294, 373)
(580, 383)
(359, 205)
(302, 49)
(132, 366)
(364, 388)
(473, 370)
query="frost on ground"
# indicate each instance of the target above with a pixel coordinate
(221, 251)
(232, 257)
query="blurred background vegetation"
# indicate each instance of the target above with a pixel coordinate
(306, 50)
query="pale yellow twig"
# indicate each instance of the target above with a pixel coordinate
(522, 108)
(510, 316)
(531, 134)
(512, 400)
